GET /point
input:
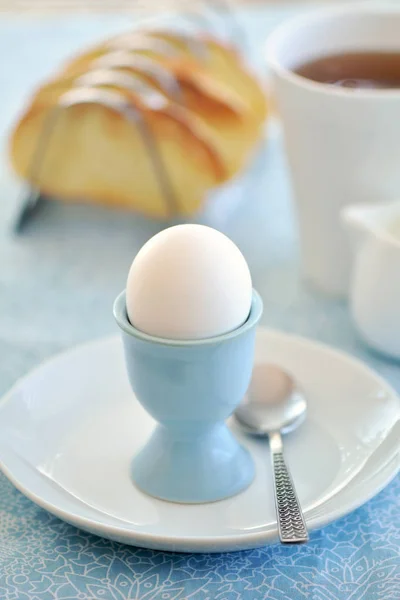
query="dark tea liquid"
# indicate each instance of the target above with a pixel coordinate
(360, 70)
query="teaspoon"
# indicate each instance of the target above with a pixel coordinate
(274, 406)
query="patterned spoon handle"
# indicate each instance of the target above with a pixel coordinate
(291, 525)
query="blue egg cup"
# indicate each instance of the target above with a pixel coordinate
(190, 388)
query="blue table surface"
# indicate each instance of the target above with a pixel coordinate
(57, 284)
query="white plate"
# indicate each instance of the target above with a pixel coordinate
(69, 429)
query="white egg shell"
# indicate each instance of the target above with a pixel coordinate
(188, 282)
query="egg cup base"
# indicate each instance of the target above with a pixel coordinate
(211, 467)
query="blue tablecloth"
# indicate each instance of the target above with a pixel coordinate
(57, 284)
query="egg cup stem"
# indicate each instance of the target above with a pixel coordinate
(207, 466)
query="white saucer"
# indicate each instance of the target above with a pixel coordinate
(70, 428)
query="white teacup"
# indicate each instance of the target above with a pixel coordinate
(343, 145)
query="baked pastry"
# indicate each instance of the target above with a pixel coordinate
(148, 120)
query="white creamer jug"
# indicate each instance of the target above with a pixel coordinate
(375, 285)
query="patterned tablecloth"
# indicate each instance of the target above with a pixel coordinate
(57, 284)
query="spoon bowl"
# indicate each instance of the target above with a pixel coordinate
(273, 402)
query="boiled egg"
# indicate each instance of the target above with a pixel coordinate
(188, 282)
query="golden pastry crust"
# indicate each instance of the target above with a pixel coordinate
(199, 138)
(118, 169)
(221, 111)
